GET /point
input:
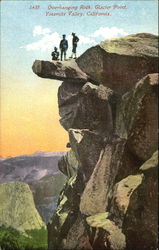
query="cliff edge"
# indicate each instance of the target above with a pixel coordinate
(109, 201)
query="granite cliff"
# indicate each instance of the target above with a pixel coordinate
(108, 105)
(17, 208)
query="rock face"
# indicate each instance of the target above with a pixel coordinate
(68, 164)
(108, 200)
(137, 118)
(140, 223)
(113, 238)
(95, 196)
(17, 207)
(120, 63)
(121, 197)
(85, 107)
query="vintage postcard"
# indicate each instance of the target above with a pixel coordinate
(78, 125)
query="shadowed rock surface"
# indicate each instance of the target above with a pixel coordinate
(112, 236)
(87, 146)
(140, 223)
(86, 106)
(137, 117)
(68, 164)
(95, 196)
(109, 201)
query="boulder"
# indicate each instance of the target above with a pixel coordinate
(57, 70)
(137, 118)
(79, 232)
(95, 196)
(140, 222)
(87, 146)
(112, 236)
(88, 107)
(121, 197)
(120, 63)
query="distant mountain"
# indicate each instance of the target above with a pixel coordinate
(28, 168)
(2, 158)
(50, 153)
(40, 171)
(17, 208)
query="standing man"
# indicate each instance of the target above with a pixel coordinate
(75, 40)
(63, 47)
(55, 54)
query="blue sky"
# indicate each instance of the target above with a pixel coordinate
(18, 23)
(28, 34)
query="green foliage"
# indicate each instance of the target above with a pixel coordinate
(12, 239)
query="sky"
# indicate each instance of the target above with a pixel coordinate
(29, 110)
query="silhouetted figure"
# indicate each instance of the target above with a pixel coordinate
(75, 40)
(63, 47)
(55, 54)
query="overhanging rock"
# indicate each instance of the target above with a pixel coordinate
(57, 70)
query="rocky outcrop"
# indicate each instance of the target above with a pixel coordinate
(86, 107)
(112, 125)
(68, 164)
(140, 223)
(95, 196)
(121, 197)
(87, 146)
(137, 117)
(61, 71)
(17, 207)
(112, 236)
(120, 63)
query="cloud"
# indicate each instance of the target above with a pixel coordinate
(108, 33)
(86, 40)
(83, 40)
(46, 43)
(38, 30)
(49, 40)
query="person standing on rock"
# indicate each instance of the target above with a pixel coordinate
(55, 54)
(75, 40)
(63, 47)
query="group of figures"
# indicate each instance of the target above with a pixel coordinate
(63, 48)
